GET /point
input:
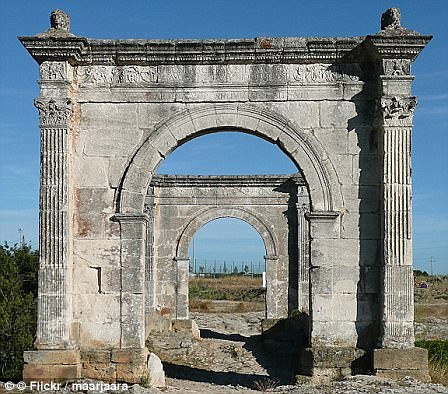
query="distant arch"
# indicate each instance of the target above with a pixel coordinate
(303, 148)
(206, 216)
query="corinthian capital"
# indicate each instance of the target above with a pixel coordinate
(53, 113)
(398, 108)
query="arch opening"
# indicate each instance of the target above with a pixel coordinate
(227, 267)
(300, 146)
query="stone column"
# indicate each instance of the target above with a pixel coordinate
(133, 230)
(395, 146)
(304, 265)
(395, 48)
(182, 277)
(54, 303)
(56, 358)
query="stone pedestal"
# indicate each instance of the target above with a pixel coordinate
(330, 363)
(51, 365)
(398, 363)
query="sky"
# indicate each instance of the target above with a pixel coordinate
(19, 133)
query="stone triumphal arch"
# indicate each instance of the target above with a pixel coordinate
(114, 236)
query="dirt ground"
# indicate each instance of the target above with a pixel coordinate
(232, 358)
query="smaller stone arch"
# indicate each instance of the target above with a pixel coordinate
(202, 218)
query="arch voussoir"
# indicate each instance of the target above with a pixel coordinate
(300, 146)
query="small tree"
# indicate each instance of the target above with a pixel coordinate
(18, 306)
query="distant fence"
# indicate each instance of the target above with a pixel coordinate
(214, 268)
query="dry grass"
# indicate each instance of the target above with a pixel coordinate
(230, 288)
(213, 306)
(237, 282)
(438, 372)
(425, 311)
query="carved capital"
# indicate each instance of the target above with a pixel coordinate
(396, 67)
(53, 113)
(398, 108)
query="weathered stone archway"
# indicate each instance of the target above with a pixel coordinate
(273, 205)
(303, 148)
(111, 110)
(225, 212)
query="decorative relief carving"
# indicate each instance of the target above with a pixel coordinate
(398, 108)
(52, 112)
(59, 20)
(396, 67)
(391, 19)
(324, 73)
(55, 71)
(110, 75)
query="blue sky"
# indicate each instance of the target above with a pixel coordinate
(19, 134)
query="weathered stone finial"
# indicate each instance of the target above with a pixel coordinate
(391, 19)
(60, 21)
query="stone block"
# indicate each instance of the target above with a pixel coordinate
(155, 371)
(132, 373)
(334, 333)
(51, 373)
(335, 357)
(93, 171)
(136, 356)
(98, 308)
(336, 113)
(324, 228)
(94, 356)
(360, 226)
(101, 129)
(102, 335)
(51, 357)
(398, 374)
(303, 114)
(337, 138)
(132, 331)
(187, 325)
(105, 372)
(408, 359)
(150, 114)
(98, 252)
(133, 280)
(155, 322)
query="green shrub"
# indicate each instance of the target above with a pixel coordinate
(18, 306)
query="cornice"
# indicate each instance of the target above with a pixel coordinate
(225, 180)
(397, 46)
(85, 51)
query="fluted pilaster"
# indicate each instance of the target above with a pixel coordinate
(395, 128)
(54, 306)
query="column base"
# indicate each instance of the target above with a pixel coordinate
(398, 363)
(51, 365)
(325, 364)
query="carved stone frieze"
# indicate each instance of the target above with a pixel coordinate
(396, 67)
(53, 71)
(53, 113)
(398, 108)
(110, 75)
(327, 73)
